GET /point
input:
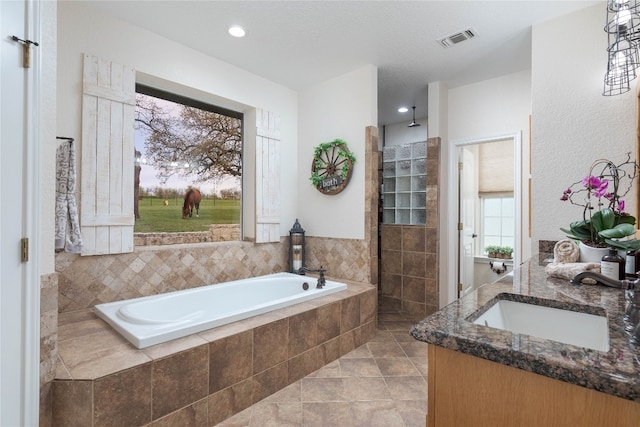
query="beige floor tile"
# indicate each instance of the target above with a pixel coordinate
(323, 389)
(362, 351)
(382, 413)
(402, 336)
(241, 419)
(382, 335)
(421, 364)
(332, 370)
(381, 383)
(400, 325)
(359, 368)
(396, 366)
(414, 348)
(276, 415)
(386, 349)
(327, 414)
(290, 394)
(413, 412)
(365, 389)
(407, 388)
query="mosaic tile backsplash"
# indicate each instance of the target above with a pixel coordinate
(84, 282)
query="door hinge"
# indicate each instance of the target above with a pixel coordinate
(460, 226)
(459, 287)
(460, 166)
(24, 249)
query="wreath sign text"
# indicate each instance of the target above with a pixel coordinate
(332, 166)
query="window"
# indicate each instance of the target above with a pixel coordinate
(109, 170)
(498, 220)
(183, 144)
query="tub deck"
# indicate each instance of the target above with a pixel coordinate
(102, 378)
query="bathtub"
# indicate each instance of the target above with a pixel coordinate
(156, 319)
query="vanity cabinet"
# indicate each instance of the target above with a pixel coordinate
(465, 390)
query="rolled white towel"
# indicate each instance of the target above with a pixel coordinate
(569, 270)
(565, 251)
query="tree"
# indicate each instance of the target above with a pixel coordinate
(188, 141)
(230, 194)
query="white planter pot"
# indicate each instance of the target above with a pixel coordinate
(591, 254)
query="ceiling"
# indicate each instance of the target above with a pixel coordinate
(301, 43)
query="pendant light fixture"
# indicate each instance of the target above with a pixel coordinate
(623, 59)
(413, 122)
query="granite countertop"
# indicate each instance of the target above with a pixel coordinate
(616, 372)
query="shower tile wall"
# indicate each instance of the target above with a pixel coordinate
(409, 254)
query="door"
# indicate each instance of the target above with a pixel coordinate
(467, 196)
(478, 169)
(19, 354)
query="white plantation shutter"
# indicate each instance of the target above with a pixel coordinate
(108, 106)
(267, 177)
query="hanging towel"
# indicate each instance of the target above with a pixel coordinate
(566, 251)
(68, 237)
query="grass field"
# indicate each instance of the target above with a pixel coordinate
(155, 217)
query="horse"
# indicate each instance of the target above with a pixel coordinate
(191, 200)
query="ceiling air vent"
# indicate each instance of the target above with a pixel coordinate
(458, 37)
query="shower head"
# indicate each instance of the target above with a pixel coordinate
(413, 122)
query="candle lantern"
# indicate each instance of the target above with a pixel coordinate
(296, 248)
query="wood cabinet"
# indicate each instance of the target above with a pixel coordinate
(464, 390)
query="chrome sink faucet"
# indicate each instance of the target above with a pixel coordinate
(320, 271)
(604, 280)
(631, 316)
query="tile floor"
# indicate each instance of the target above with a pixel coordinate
(381, 383)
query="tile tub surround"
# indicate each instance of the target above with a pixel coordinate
(614, 372)
(85, 281)
(207, 377)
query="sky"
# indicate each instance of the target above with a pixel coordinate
(149, 181)
(148, 173)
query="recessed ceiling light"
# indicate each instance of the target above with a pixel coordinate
(403, 110)
(236, 31)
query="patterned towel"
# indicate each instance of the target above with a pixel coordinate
(67, 226)
(569, 270)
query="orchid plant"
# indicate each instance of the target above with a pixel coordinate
(604, 222)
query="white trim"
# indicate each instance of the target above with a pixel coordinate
(31, 285)
(450, 285)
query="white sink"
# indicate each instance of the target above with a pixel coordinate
(569, 327)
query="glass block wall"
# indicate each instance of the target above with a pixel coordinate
(404, 183)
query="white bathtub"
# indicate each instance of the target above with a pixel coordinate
(155, 319)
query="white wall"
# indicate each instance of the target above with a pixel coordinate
(496, 107)
(80, 30)
(491, 107)
(572, 123)
(401, 133)
(339, 108)
(476, 112)
(49, 144)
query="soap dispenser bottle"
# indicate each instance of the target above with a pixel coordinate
(613, 265)
(632, 264)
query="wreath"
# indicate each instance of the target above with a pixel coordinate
(332, 166)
